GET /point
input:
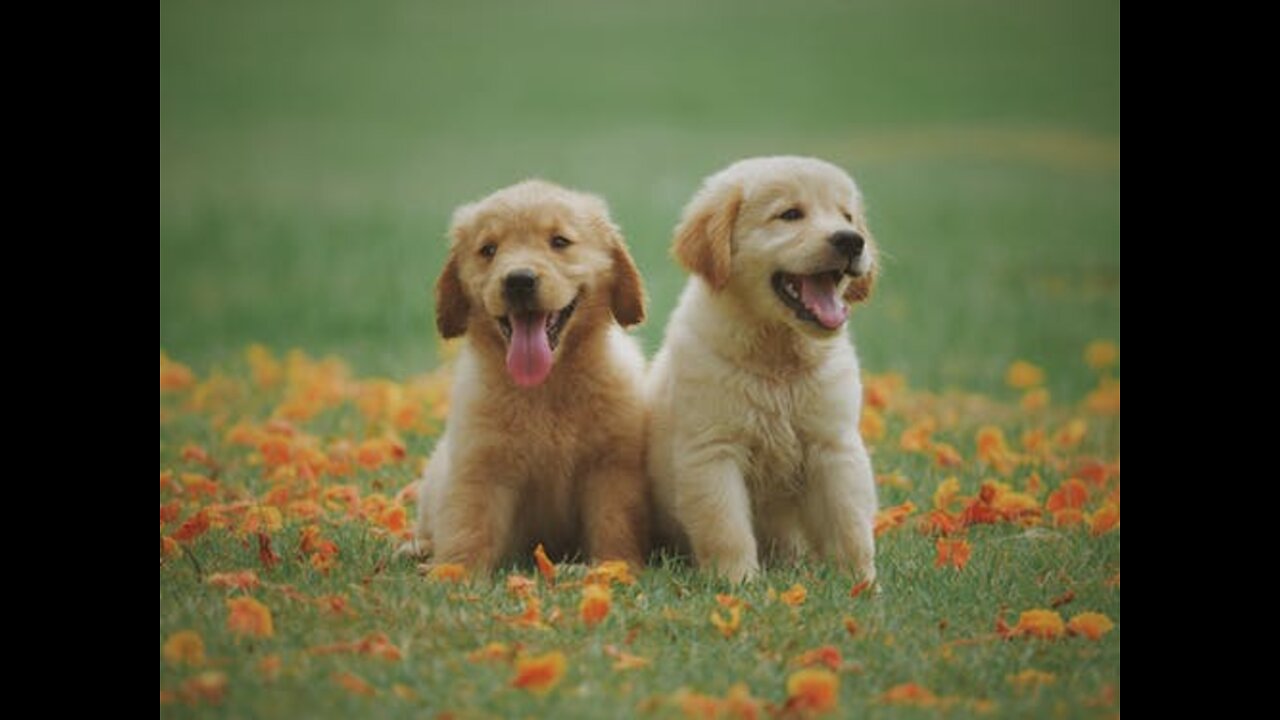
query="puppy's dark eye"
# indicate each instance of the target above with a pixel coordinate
(560, 242)
(489, 250)
(847, 216)
(792, 214)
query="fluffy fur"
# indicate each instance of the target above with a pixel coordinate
(557, 460)
(753, 440)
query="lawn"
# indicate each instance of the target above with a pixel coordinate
(310, 154)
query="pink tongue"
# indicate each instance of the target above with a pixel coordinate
(529, 356)
(818, 292)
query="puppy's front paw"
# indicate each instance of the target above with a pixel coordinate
(416, 549)
(736, 570)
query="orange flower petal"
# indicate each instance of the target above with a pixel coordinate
(1091, 625)
(826, 655)
(545, 567)
(249, 617)
(353, 684)
(184, 647)
(1045, 624)
(540, 673)
(596, 601)
(795, 596)
(813, 690)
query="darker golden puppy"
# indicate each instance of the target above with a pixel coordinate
(544, 441)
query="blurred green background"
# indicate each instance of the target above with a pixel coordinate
(311, 152)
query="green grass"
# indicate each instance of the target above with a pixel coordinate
(310, 155)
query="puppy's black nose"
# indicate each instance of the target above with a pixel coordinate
(848, 242)
(519, 286)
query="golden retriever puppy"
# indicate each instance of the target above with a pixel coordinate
(754, 397)
(544, 442)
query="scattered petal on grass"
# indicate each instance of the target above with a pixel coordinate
(193, 527)
(208, 687)
(374, 645)
(909, 694)
(242, 580)
(944, 496)
(894, 480)
(953, 553)
(174, 376)
(170, 511)
(1105, 519)
(1030, 679)
(1071, 434)
(623, 660)
(610, 572)
(728, 601)
(596, 601)
(1101, 354)
(727, 625)
(530, 617)
(946, 456)
(739, 704)
(859, 588)
(918, 437)
(494, 651)
(1104, 399)
(1045, 624)
(1091, 625)
(892, 517)
(169, 547)
(447, 573)
(184, 647)
(267, 557)
(1022, 375)
(1070, 494)
(850, 626)
(197, 485)
(539, 673)
(795, 596)
(871, 425)
(269, 667)
(1063, 599)
(545, 566)
(353, 684)
(826, 655)
(813, 690)
(1034, 400)
(247, 616)
(521, 586)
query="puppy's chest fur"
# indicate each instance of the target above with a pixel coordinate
(777, 430)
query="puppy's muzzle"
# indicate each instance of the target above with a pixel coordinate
(848, 243)
(520, 289)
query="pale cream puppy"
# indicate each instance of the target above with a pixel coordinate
(754, 398)
(545, 429)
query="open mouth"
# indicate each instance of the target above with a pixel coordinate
(531, 338)
(813, 298)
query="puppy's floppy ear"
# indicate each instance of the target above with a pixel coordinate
(627, 300)
(703, 243)
(860, 288)
(452, 306)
